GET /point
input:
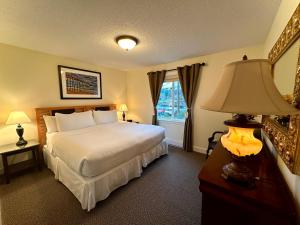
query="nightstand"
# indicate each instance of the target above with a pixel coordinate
(12, 149)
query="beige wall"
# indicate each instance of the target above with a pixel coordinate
(285, 12)
(29, 79)
(205, 122)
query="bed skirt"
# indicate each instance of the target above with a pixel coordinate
(90, 190)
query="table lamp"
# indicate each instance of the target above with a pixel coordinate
(123, 108)
(18, 117)
(246, 88)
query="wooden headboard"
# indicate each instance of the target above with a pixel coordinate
(50, 111)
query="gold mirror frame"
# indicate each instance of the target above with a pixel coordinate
(287, 141)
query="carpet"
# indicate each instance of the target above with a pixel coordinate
(166, 194)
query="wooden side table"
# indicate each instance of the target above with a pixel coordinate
(12, 149)
(226, 203)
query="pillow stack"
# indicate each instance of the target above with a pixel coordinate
(74, 121)
(105, 116)
(66, 122)
(50, 122)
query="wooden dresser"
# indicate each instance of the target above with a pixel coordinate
(268, 203)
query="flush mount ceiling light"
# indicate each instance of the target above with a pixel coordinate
(127, 42)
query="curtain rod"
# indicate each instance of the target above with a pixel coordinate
(202, 64)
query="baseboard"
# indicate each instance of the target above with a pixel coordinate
(179, 144)
(174, 142)
(201, 150)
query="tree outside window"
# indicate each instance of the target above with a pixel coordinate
(171, 104)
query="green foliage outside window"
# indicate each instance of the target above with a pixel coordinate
(171, 104)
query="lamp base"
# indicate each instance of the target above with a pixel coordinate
(21, 142)
(239, 173)
(20, 131)
(241, 143)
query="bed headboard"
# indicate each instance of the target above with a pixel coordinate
(50, 111)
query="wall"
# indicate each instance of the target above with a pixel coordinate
(284, 13)
(29, 79)
(205, 122)
(174, 132)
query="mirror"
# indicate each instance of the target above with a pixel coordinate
(285, 70)
(284, 74)
(284, 131)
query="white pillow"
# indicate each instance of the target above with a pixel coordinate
(105, 116)
(50, 122)
(74, 121)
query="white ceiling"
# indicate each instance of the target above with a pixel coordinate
(168, 30)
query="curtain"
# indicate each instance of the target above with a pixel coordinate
(156, 80)
(188, 77)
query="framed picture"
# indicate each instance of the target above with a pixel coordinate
(79, 84)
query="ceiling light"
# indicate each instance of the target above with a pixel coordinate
(127, 42)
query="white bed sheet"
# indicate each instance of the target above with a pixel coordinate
(90, 190)
(95, 150)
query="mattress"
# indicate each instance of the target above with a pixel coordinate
(94, 150)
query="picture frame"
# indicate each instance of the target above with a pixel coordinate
(78, 83)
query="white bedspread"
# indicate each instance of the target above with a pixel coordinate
(95, 150)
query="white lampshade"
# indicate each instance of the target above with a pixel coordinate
(17, 117)
(123, 108)
(247, 87)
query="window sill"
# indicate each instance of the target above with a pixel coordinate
(171, 121)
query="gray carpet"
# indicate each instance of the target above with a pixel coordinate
(167, 193)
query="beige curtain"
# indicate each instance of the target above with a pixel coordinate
(188, 77)
(156, 80)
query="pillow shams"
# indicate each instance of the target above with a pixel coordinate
(50, 122)
(74, 121)
(105, 116)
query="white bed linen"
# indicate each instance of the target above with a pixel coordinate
(73, 121)
(94, 150)
(89, 190)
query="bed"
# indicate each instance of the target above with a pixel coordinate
(93, 161)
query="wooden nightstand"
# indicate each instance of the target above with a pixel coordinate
(12, 149)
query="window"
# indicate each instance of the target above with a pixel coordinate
(171, 104)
